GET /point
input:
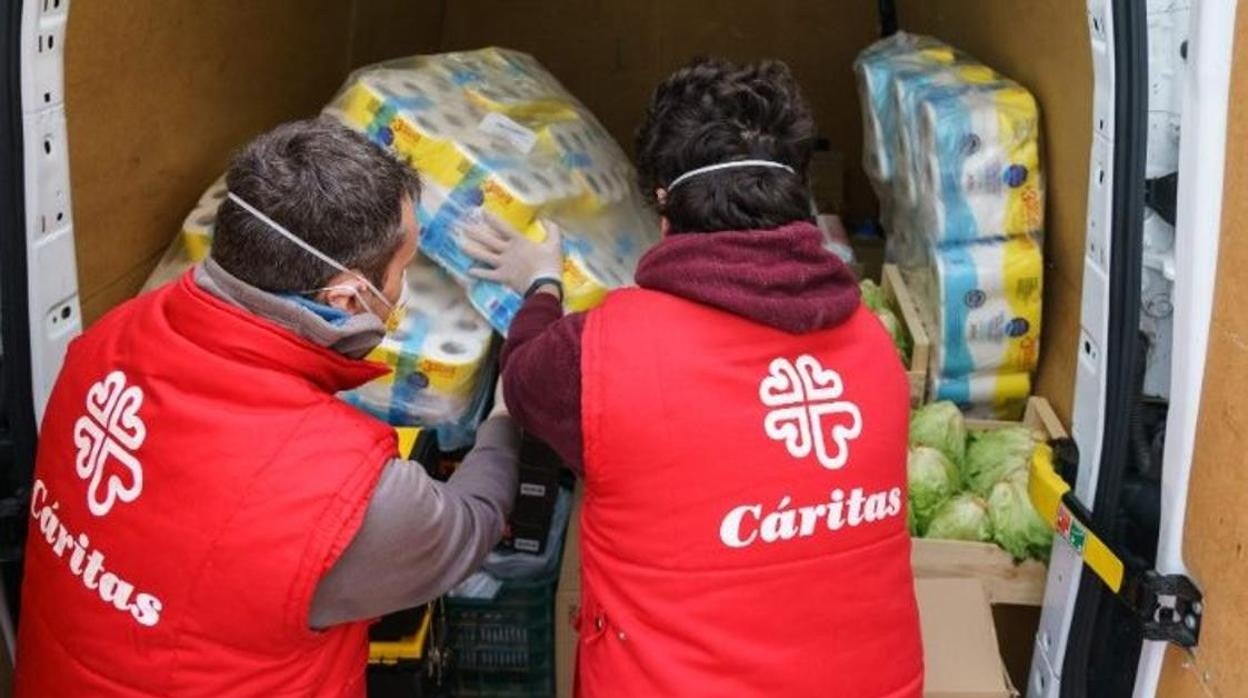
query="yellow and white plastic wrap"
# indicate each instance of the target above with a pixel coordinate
(980, 303)
(202, 220)
(494, 136)
(1001, 396)
(972, 156)
(437, 356)
(963, 204)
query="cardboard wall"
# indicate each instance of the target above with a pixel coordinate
(1044, 45)
(1216, 531)
(188, 82)
(160, 92)
(611, 54)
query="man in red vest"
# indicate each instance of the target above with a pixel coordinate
(739, 420)
(207, 518)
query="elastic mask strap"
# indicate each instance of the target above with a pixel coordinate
(277, 227)
(729, 166)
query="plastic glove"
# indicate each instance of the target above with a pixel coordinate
(510, 258)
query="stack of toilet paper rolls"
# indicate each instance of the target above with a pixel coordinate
(875, 69)
(953, 149)
(438, 354)
(497, 141)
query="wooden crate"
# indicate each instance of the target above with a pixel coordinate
(902, 302)
(1006, 581)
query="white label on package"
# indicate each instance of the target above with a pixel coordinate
(500, 125)
(528, 489)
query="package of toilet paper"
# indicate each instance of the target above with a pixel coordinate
(437, 355)
(981, 304)
(875, 69)
(951, 146)
(199, 223)
(498, 141)
(974, 160)
(985, 395)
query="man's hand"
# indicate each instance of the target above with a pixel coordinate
(512, 259)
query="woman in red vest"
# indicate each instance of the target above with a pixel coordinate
(739, 420)
(207, 517)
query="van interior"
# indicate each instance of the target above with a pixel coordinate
(136, 108)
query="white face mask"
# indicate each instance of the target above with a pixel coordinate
(395, 311)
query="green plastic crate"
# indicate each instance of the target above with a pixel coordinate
(504, 647)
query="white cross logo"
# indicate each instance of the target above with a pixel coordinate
(110, 431)
(803, 396)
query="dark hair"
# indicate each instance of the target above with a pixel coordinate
(714, 111)
(323, 182)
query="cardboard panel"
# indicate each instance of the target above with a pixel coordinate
(387, 29)
(1216, 531)
(160, 92)
(1043, 45)
(612, 54)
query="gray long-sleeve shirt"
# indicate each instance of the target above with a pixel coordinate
(420, 537)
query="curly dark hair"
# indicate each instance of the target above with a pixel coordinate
(714, 111)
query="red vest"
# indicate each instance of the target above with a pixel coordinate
(196, 477)
(743, 531)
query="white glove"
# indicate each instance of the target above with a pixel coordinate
(512, 259)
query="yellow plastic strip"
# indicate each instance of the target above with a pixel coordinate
(1046, 489)
(409, 648)
(407, 439)
(1045, 486)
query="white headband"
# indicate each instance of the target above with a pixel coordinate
(728, 166)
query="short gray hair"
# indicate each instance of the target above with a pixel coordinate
(325, 183)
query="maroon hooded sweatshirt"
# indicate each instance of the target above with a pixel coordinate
(782, 278)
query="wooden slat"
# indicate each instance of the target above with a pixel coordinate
(1039, 415)
(898, 294)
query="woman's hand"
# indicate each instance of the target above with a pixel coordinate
(510, 258)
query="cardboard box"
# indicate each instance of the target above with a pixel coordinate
(960, 651)
(568, 602)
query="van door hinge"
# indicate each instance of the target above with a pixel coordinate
(1168, 607)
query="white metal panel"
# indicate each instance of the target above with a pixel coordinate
(1202, 155)
(1065, 566)
(1168, 22)
(55, 316)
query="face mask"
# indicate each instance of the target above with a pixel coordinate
(394, 317)
(395, 312)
